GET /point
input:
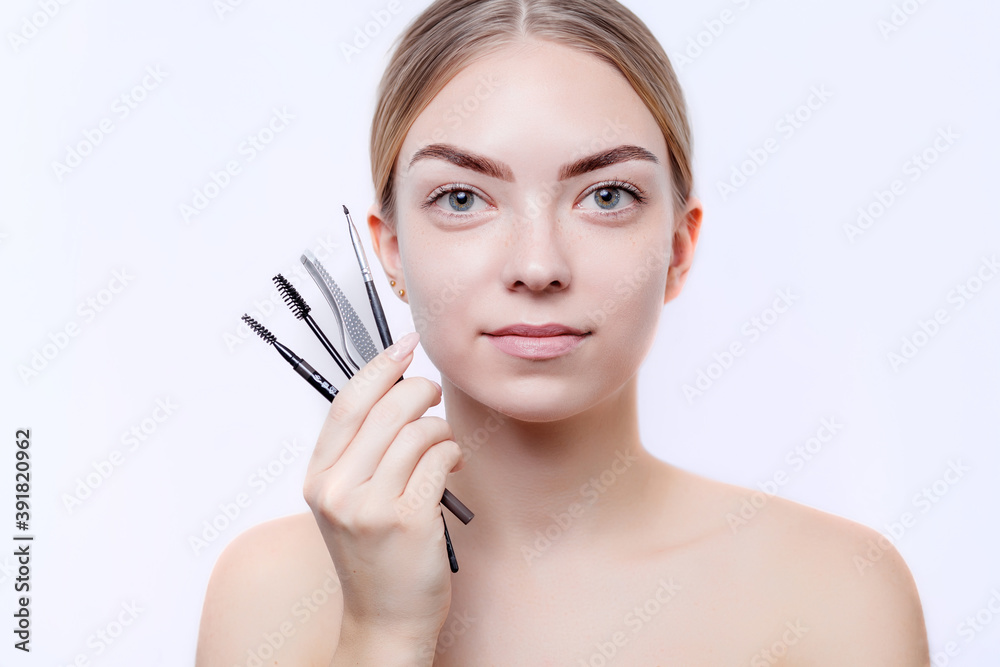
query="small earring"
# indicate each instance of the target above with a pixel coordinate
(402, 292)
(392, 282)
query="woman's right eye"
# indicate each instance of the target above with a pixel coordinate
(457, 200)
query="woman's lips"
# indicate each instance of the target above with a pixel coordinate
(536, 347)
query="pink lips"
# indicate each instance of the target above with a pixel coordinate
(536, 342)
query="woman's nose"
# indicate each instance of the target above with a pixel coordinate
(537, 258)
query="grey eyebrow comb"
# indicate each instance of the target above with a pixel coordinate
(342, 309)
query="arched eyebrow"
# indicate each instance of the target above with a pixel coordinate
(501, 171)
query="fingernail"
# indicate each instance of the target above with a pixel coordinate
(402, 347)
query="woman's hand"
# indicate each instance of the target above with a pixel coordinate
(374, 485)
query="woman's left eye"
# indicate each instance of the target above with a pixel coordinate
(609, 198)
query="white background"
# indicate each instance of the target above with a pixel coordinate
(169, 334)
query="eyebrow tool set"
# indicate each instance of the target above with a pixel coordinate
(349, 321)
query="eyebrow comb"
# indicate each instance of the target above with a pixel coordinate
(342, 309)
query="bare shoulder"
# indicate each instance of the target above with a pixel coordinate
(842, 580)
(273, 594)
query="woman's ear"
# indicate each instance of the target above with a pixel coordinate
(386, 246)
(685, 240)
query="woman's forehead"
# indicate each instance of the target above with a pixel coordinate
(530, 99)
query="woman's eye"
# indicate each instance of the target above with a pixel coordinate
(459, 201)
(608, 199)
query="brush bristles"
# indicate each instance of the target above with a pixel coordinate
(292, 297)
(259, 329)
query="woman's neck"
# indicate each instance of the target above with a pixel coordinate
(539, 488)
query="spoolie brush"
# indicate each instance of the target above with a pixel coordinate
(310, 374)
(301, 309)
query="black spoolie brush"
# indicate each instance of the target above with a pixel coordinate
(301, 309)
(310, 374)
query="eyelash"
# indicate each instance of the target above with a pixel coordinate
(634, 190)
(448, 189)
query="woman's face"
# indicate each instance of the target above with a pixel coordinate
(502, 220)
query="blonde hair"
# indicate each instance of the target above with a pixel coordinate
(450, 34)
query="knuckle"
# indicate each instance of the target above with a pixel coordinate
(411, 435)
(342, 408)
(453, 449)
(418, 384)
(332, 502)
(384, 413)
(371, 519)
(427, 384)
(309, 492)
(441, 428)
(447, 451)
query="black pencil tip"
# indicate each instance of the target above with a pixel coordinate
(346, 212)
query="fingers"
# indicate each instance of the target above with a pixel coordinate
(395, 412)
(353, 403)
(397, 466)
(426, 486)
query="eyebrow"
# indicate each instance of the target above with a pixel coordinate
(499, 170)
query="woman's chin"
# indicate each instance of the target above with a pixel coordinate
(537, 399)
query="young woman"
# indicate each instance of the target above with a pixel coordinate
(532, 165)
